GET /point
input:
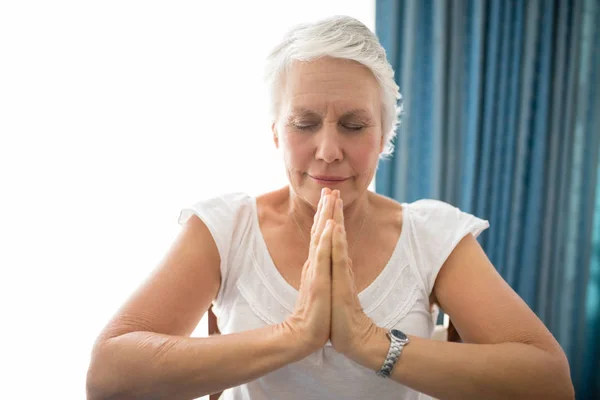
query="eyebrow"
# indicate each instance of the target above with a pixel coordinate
(304, 112)
(355, 112)
(358, 112)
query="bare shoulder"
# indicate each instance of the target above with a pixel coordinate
(270, 206)
(389, 212)
(173, 299)
(386, 223)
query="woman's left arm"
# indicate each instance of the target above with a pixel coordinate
(508, 352)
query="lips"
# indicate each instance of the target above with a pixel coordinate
(329, 178)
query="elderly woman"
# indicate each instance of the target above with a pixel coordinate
(323, 289)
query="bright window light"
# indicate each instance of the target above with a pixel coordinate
(114, 115)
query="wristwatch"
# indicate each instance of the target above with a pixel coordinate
(397, 342)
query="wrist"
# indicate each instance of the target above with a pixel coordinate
(297, 339)
(372, 351)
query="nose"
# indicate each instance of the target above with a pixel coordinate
(329, 146)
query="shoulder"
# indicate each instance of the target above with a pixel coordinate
(438, 217)
(428, 207)
(230, 200)
(436, 228)
(438, 221)
(272, 207)
(224, 215)
(388, 209)
(217, 207)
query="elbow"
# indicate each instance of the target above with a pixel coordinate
(568, 390)
(565, 392)
(96, 383)
(101, 383)
(554, 385)
(94, 389)
(550, 378)
(571, 392)
(564, 389)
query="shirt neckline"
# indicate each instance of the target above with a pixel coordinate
(369, 296)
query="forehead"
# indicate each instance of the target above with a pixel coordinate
(330, 84)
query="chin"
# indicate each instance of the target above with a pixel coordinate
(311, 195)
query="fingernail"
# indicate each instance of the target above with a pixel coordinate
(322, 192)
(340, 204)
(325, 201)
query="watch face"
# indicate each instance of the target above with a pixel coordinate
(399, 335)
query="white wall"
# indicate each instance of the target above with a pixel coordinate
(113, 116)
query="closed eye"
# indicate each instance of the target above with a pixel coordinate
(351, 127)
(305, 127)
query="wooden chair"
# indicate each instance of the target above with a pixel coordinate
(446, 331)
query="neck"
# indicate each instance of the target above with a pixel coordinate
(354, 213)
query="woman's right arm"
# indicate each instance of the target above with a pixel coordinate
(146, 352)
(146, 365)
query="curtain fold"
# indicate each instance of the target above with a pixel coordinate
(502, 119)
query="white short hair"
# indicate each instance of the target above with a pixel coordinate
(338, 37)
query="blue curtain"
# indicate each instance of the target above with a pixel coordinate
(502, 119)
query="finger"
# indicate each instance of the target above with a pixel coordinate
(305, 269)
(350, 269)
(326, 213)
(336, 195)
(318, 213)
(317, 217)
(308, 274)
(328, 208)
(324, 193)
(338, 215)
(339, 251)
(318, 226)
(323, 267)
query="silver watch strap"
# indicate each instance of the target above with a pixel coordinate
(393, 355)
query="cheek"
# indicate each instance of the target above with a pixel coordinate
(365, 162)
(366, 155)
(296, 153)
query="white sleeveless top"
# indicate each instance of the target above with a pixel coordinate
(254, 294)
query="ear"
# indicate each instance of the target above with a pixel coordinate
(275, 135)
